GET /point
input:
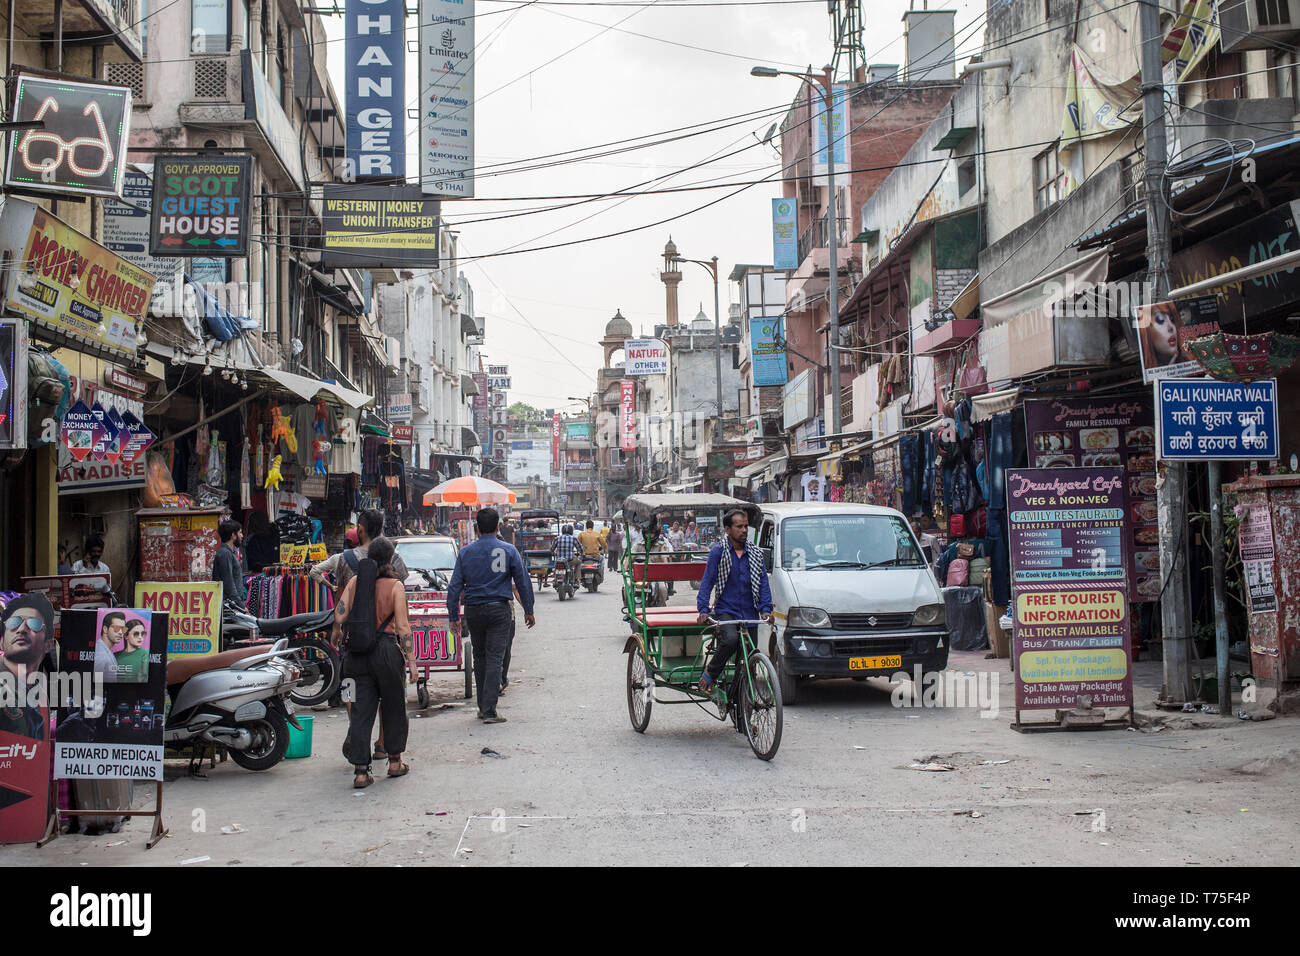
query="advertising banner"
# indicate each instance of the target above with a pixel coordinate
(24, 720)
(403, 434)
(13, 384)
(645, 357)
(127, 227)
(375, 52)
(81, 146)
(556, 430)
(389, 227)
(833, 128)
(785, 234)
(1255, 540)
(435, 644)
(115, 460)
(119, 735)
(1204, 419)
(1165, 328)
(767, 357)
(200, 206)
(1069, 560)
(75, 286)
(193, 610)
(1114, 432)
(447, 98)
(577, 431)
(627, 415)
(400, 410)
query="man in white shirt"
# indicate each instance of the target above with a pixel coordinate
(91, 563)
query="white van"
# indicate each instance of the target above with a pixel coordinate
(852, 594)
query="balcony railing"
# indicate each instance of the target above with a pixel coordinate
(817, 236)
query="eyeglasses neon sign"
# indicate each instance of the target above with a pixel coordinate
(67, 150)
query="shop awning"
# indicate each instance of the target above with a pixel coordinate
(469, 438)
(688, 486)
(308, 389)
(984, 407)
(749, 471)
(847, 450)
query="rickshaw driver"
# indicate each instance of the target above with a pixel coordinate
(736, 579)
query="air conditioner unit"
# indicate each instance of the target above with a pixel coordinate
(1257, 24)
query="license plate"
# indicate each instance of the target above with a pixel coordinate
(875, 663)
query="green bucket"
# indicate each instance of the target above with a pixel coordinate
(300, 740)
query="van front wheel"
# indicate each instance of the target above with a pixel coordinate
(789, 682)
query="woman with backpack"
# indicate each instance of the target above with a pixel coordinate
(371, 623)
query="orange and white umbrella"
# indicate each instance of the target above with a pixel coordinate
(469, 490)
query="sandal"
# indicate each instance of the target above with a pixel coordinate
(362, 780)
(402, 769)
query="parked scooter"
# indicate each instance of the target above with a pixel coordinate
(308, 634)
(236, 699)
(566, 579)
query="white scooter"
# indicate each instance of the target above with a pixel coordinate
(236, 699)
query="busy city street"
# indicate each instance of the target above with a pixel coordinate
(573, 784)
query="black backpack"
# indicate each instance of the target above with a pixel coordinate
(362, 635)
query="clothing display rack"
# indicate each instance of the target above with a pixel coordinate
(280, 590)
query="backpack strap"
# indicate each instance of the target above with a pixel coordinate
(352, 561)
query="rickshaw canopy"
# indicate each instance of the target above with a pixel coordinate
(640, 510)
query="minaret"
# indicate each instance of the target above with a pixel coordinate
(671, 276)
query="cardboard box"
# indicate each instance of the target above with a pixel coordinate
(999, 639)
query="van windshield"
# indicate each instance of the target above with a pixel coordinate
(819, 541)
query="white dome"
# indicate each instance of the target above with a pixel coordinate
(701, 323)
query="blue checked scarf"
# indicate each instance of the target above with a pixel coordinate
(755, 556)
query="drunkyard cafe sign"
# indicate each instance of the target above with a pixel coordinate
(80, 147)
(201, 206)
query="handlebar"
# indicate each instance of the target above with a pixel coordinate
(716, 622)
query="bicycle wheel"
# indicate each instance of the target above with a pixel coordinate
(760, 706)
(640, 690)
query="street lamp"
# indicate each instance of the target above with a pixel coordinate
(824, 82)
(712, 266)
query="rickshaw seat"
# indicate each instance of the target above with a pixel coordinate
(668, 571)
(668, 616)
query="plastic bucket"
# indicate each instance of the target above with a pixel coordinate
(300, 740)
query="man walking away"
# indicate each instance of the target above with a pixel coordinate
(736, 580)
(614, 546)
(485, 571)
(593, 546)
(225, 566)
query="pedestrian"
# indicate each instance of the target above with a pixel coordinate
(372, 609)
(225, 565)
(484, 573)
(735, 580)
(330, 565)
(370, 525)
(507, 532)
(64, 568)
(614, 544)
(90, 562)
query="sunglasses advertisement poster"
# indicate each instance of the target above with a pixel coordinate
(26, 638)
(118, 735)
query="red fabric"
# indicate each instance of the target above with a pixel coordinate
(678, 571)
(957, 526)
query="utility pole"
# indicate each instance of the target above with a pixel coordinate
(1171, 492)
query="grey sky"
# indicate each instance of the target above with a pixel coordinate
(617, 85)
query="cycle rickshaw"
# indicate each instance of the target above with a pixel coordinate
(538, 530)
(669, 648)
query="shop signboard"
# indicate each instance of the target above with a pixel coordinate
(81, 147)
(645, 357)
(127, 228)
(498, 369)
(400, 410)
(13, 384)
(1069, 561)
(1111, 432)
(200, 206)
(1203, 419)
(403, 434)
(1255, 541)
(579, 484)
(797, 400)
(1165, 328)
(556, 431)
(447, 98)
(110, 465)
(499, 382)
(434, 643)
(577, 431)
(389, 227)
(76, 287)
(521, 446)
(767, 356)
(627, 415)
(785, 234)
(721, 464)
(748, 455)
(118, 736)
(375, 52)
(193, 610)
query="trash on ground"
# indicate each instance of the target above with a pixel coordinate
(115, 843)
(1190, 708)
(378, 846)
(195, 859)
(931, 767)
(233, 828)
(489, 752)
(993, 763)
(858, 747)
(435, 813)
(973, 814)
(1209, 709)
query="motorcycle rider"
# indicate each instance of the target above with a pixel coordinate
(593, 546)
(566, 550)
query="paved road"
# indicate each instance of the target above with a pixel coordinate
(575, 784)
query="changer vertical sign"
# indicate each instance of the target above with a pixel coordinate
(375, 49)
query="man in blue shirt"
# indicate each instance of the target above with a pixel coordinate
(736, 581)
(484, 573)
(566, 550)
